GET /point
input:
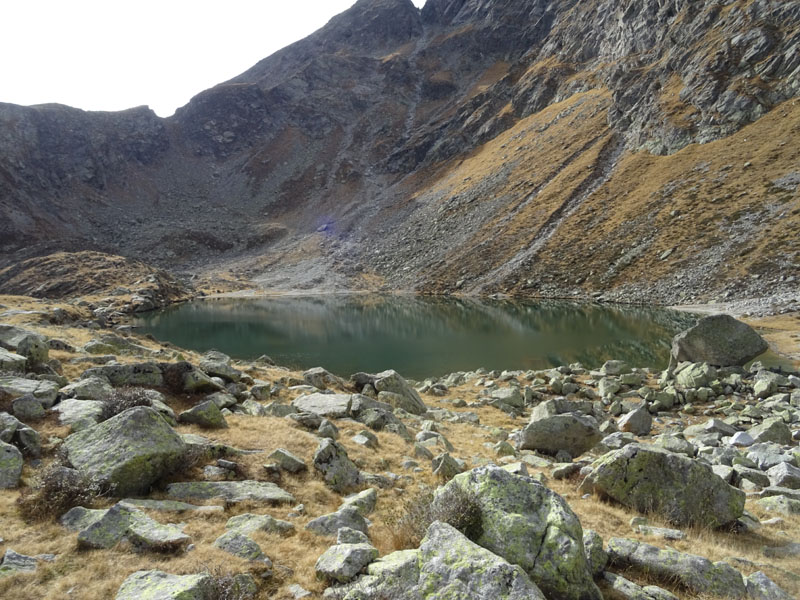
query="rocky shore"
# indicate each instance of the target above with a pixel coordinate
(133, 469)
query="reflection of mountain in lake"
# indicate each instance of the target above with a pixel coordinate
(421, 336)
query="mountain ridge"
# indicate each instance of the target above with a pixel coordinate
(319, 158)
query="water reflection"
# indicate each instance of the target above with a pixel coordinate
(420, 336)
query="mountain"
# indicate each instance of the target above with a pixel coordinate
(646, 150)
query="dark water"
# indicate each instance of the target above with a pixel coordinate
(420, 337)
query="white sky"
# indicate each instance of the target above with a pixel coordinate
(115, 54)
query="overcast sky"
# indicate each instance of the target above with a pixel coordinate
(115, 54)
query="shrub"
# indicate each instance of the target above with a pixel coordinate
(56, 490)
(454, 505)
(122, 399)
(229, 586)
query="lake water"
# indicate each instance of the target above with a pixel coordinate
(419, 336)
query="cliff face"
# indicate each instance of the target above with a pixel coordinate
(480, 145)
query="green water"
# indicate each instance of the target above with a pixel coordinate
(420, 337)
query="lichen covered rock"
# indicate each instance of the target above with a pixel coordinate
(530, 526)
(129, 452)
(157, 585)
(649, 479)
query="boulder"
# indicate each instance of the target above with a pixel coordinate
(206, 414)
(79, 518)
(364, 502)
(771, 430)
(129, 451)
(249, 523)
(27, 408)
(10, 466)
(157, 585)
(784, 475)
(91, 388)
(761, 587)
(217, 364)
(330, 524)
(321, 379)
(125, 521)
(236, 543)
(649, 479)
(695, 375)
(719, 340)
(342, 562)
(14, 562)
(780, 504)
(230, 491)
(31, 345)
(331, 406)
(571, 432)
(696, 573)
(337, 469)
(637, 422)
(79, 414)
(392, 381)
(596, 556)
(508, 395)
(287, 461)
(445, 467)
(452, 566)
(14, 432)
(531, 526)
(12, 362)
(43, 390)
(146, 374)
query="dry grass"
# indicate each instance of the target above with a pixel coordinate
(98, 574)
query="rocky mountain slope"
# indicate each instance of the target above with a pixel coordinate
(645, 150)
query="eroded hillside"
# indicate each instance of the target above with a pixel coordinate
(639, 149)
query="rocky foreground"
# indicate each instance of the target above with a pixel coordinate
(134, 470)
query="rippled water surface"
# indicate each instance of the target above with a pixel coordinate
(420, 337)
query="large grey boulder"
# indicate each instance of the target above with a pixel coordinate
(79, 414)
(10, 466)
(330, 524)
(43, 390)
(13, 431)
(125, 521)
(571, 432)
(217, 364)
(331, 406)
(147, 374)
(13, 563)
(26, 343)
(761, 587)
(784, 475)
(718, 340)
(696, 573)
(342, 562)
(91, 388)
(451, 566)
(129, 451)
(771, 430)
(337, 469)
(649, 479)
(321, 378)
(12, 362)
(392, 381)
(237, 543)
(206, 414)
(528, 525)
(637, 422)
(157, 585)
